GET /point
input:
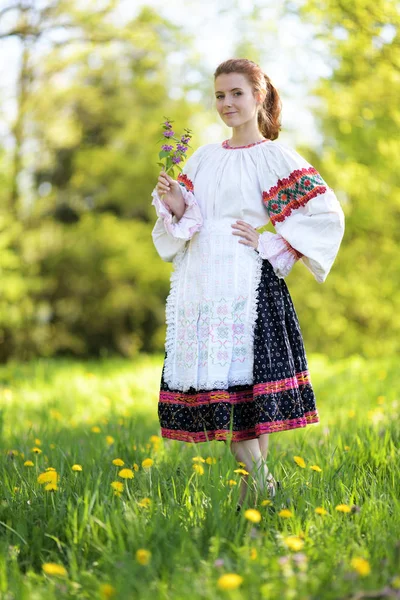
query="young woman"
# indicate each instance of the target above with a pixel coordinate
(235, 367)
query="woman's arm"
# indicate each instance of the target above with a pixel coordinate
(171, 233)
(303, 209)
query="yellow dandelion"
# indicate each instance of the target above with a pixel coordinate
(299, 461)
(199, 469)
(347, 448)
(51, 487)
(147, 463)
(351, 413)
(241, 471)
(143, 556)
(198, 459)
(361, 565)
(36, 450)
(232, 482)
(107, 591)
(266, 502)
(293, 542)
(145, 502)
(229, 581)
(96, 429)
(285, 513)
(241, 464)
(253, 515)
(126, 474)
(54, 569)
(316, 468)
(211, 460)
(76, 467)
(155, 439)
(117, 485)
(50, 469)
(376, 415)
(55, 414)
(48, 477)
(135, 467)
(381, 399)
(13, 453)
(118, 462)
(321, 511)
(343, 508)
(396, 582)
(38, 442)
(8, 395)
(28, 463)
(16, 489)
(253, 554)
(110, 440)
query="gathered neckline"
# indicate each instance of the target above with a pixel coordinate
(226, 145)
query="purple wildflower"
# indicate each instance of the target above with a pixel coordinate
(168, 134)
(181, 148)
(219, 562)
(185, 139)
(176, 159)
(167, 124)
(166, 147)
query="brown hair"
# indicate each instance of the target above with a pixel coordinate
(269, 114)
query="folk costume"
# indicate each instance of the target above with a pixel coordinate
(235, 365)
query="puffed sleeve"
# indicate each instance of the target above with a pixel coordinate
(304, 210)
(170, 234)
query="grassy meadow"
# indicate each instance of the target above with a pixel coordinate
(160, 521)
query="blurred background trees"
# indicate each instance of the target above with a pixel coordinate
(79, 274)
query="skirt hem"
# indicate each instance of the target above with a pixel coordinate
(238, 436)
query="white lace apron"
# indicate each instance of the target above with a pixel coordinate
(211, 311)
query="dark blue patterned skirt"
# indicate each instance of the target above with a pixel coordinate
(281, 396)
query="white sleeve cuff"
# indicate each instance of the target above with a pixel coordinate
(278, 252)
(191, 220)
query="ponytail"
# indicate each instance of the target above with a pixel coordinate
(269, 114)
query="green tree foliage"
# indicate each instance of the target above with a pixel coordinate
(80, 272)
(78, 269)
(359, 116)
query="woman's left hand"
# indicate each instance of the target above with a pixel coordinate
(247, 232)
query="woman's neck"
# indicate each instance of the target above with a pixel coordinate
(245, 137)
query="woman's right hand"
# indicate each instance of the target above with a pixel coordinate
(170, 193)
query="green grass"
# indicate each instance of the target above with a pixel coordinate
(191, 527)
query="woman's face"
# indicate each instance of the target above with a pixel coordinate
(235, 101)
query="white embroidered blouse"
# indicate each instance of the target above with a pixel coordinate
(212, 306)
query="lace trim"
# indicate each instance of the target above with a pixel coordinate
(281, 255)
(191, 220)
(170, 309)
(254, 303)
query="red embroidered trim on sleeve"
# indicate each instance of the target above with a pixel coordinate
(292, 192)
(184, 180)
